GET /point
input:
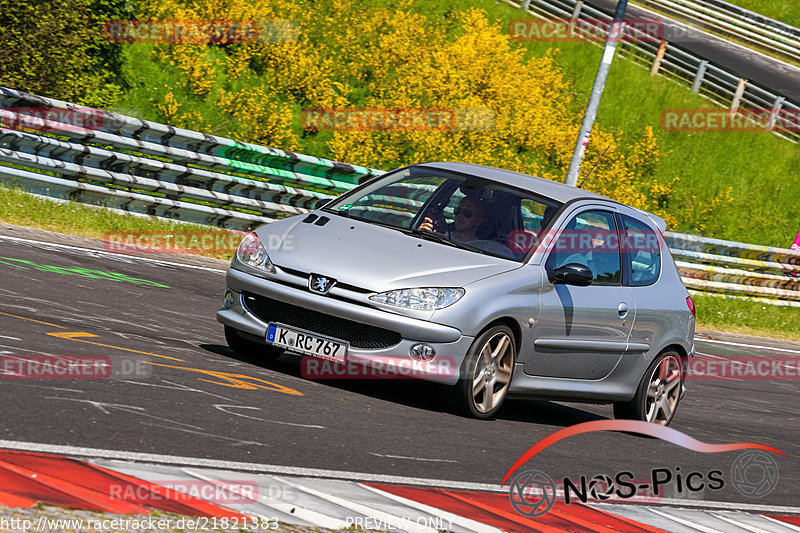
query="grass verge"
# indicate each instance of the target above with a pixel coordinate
(782, 10)
(19, 208)
(747, 318)
(22, 209)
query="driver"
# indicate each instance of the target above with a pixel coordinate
(470, 214)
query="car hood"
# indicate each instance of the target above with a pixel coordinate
(373, 257)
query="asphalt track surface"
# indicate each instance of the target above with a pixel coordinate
(774, 74)
(269, 414)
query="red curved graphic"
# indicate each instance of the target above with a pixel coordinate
(633, 426)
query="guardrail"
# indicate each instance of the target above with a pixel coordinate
(766, 274)
(145, 168)
(728, 20)
(717, 83)
(121, 162)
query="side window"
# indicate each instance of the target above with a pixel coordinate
(590, 239)
(642, 252)
(533, 215)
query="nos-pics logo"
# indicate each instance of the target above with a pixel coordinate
(533, 493)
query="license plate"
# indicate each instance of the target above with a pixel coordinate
(306, 343)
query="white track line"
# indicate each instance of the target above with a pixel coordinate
(243, 467)
(102, 252)
(307, 515)
(379, 517)
(412, 458)
(748, 527)
(763, 347)
(687, 523)
(466, 523)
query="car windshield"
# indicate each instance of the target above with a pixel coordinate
(468, 212)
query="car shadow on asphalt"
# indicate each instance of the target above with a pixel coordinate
(420, 394)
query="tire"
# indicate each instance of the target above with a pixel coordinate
(657, 397)
(246, 348)
(488, 366)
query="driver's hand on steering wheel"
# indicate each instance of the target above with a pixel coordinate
(427, 225)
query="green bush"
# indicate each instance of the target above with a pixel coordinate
(56, 48)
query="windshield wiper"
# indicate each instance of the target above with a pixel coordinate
(343, 211)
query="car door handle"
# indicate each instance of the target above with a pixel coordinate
(622, 309)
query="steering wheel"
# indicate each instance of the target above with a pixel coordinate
(439, 222)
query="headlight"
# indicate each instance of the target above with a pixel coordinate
(428, 299)
(252, 253)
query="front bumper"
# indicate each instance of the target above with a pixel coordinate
(450, 345)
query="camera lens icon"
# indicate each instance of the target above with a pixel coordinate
(532, 493)
(754, 474)
(601, 487)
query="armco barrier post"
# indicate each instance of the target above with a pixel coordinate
(737, 98)
(576, 13)
(776, 109)
(701, 73)
(662, 49)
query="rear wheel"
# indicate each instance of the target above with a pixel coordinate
(486, 374)
(659, 392)
(250, 349)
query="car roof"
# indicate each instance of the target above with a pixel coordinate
(551, 189)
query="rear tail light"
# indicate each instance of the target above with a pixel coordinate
(690, 304)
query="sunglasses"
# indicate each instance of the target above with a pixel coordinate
(461, 211)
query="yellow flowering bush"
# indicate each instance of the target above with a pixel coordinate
(344, 54)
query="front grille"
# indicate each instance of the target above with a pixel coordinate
(358, 335)
(304, 276)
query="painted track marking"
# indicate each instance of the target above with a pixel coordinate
(747, 345)
(115, 255)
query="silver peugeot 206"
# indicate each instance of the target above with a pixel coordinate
(490, 282)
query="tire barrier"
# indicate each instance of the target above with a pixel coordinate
(122, 162)
(780, 303)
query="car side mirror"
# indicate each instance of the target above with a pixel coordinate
(572, 274)
(321, 202)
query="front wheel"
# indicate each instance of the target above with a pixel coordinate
(658, 394)
(486, 374)
(247, 348)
